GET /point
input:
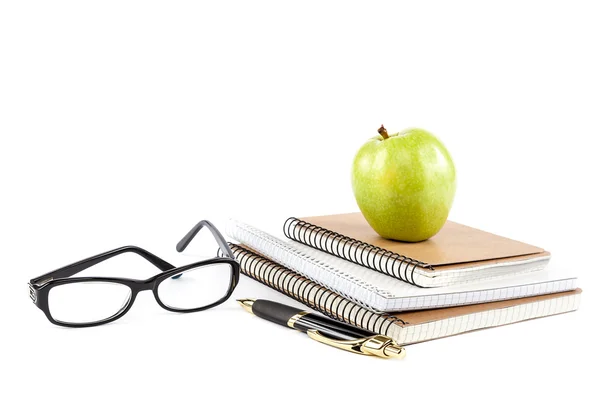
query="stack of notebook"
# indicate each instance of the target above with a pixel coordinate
(461, 280)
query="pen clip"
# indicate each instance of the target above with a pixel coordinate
(377, 345)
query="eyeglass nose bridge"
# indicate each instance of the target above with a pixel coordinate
(141, 286)
(137, 285)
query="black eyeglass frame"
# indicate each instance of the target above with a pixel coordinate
(39, 288)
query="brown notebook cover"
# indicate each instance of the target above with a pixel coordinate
(456, 254)
(453, 244)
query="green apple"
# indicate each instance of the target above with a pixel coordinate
(404, 184)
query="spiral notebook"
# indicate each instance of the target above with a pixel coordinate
(379, 292)
(457, 254)
(407, 327)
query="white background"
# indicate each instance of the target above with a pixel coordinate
(127, 122)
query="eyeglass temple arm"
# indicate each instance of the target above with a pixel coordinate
(183, 243)
(79, 266)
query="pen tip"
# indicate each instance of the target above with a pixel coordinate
(246, 303)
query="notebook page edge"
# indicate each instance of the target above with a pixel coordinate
(412, 334)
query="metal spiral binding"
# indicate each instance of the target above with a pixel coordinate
(302, 289)
(353, 250)
(282, 253)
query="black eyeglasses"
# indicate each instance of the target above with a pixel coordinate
(91, 301)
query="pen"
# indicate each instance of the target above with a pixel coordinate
(325, 330)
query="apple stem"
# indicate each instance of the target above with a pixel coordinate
(383, 132)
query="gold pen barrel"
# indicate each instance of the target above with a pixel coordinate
(377, 345)
(382, 346)
(394, 351)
